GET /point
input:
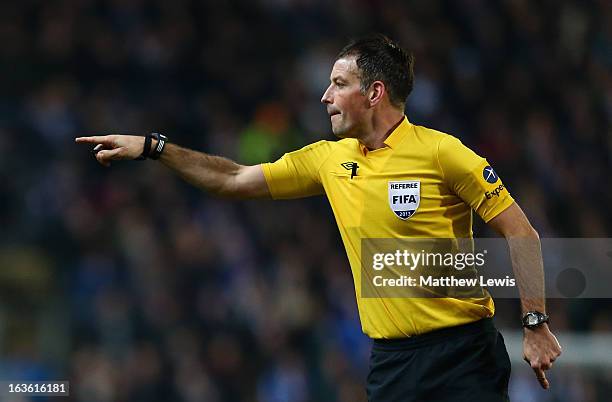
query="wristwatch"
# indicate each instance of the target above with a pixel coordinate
(159, 148)
(533, 319)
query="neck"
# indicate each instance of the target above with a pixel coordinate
(381, 127)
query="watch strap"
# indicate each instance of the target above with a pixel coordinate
(532, 319)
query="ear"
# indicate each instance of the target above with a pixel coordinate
(376, 93)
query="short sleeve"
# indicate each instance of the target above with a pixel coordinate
(471, 178)
(296, 174)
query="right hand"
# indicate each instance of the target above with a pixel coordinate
(115, 147)
(540, 349)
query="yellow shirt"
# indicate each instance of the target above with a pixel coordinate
(446, 179)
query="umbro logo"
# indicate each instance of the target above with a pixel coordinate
(352, 166)
(348, 165)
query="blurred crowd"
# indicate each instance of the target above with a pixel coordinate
(137, 287)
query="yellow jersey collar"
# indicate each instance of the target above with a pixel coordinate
(396, 136)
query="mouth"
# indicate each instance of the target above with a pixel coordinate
(333, 113)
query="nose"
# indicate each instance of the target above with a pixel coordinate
(326, 98)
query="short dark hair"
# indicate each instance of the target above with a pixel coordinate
(381, 59)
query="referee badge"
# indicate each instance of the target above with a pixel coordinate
(404, 197)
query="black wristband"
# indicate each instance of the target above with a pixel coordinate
(146, 150)
(159, 148)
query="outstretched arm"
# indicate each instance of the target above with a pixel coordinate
(540, 346)
(215, 174)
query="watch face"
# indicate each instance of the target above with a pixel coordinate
(532, 319)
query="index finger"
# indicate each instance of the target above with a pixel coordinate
(95, 139)
(541, 378)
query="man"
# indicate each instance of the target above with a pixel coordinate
(442, 349)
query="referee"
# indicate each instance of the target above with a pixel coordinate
(388, 178)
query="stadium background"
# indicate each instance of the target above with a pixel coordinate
(136, 287)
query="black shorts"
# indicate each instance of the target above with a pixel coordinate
(463, 363)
